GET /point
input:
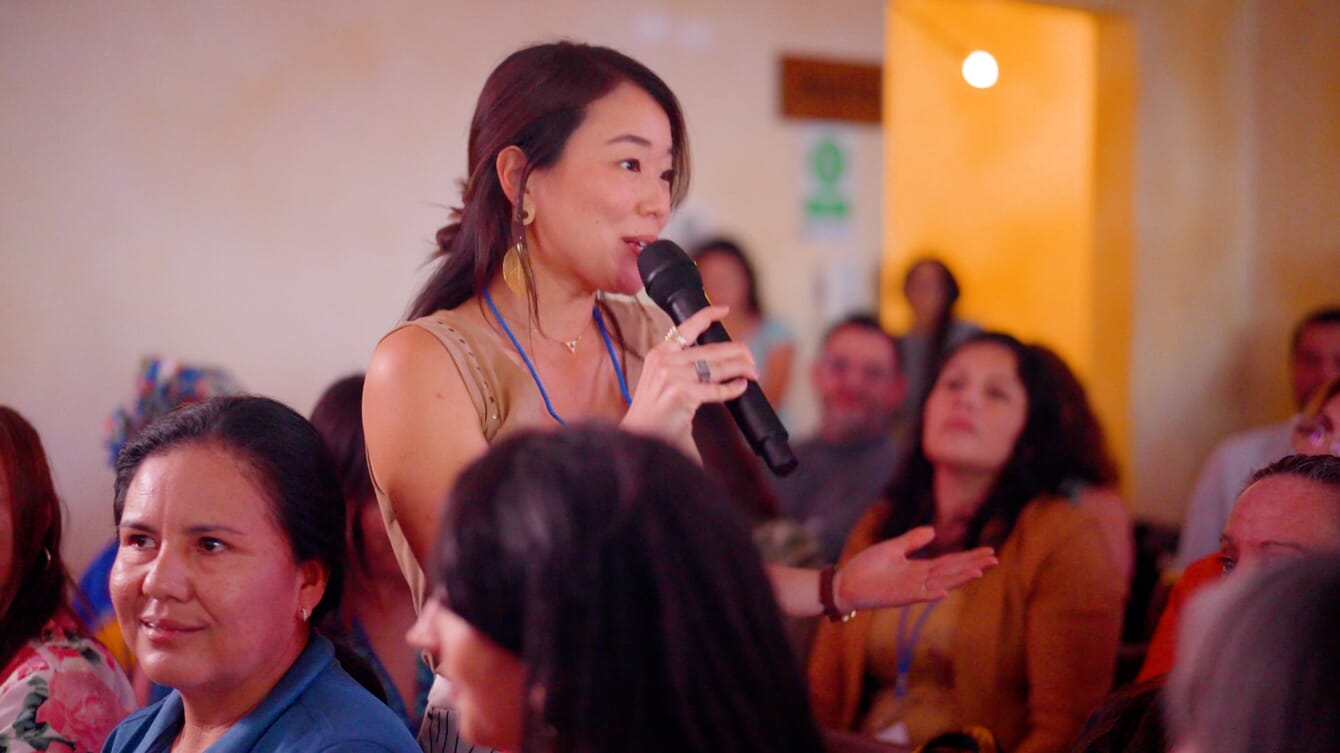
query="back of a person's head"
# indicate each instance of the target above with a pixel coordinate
(34, 586)
(629, 588)
(1261, 662)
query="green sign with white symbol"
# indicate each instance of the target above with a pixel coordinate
(827, 184)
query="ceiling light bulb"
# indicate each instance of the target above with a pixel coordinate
(980, 69)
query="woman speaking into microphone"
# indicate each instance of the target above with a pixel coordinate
(577, 154)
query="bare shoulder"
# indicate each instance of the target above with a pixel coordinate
(420, 426)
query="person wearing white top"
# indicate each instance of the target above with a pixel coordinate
(1314, 358)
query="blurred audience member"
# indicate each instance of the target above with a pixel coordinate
(592, 591)
(1029, 650)
(1291, 509)
(1093, 483)
(1291, 506)
(60, 690)
(931, 291)
(161, 386)
(729, 280)
(728, 459)
(232, 536)
(376, 610)
(1314, 358)
(846, 464)
(1261, 664)
(1315, 432)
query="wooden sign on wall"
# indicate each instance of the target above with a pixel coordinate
(831, 90)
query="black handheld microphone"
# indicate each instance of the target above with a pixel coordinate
(673, 282)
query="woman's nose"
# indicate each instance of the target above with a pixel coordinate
(655, 200)
(167, 577)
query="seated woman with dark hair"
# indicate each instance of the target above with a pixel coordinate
(594, 591)
(231, 529)
(376, 609)
(1029, 650)
(59, 689)
(1093, 479)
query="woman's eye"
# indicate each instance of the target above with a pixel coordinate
(631, 164)
(1226, 564)
(137, 541)
(210, 544)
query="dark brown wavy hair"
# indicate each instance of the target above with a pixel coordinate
(1040, 463)
(38, 580)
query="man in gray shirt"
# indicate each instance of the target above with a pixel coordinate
(846, 465)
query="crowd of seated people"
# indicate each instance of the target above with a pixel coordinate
(524, 529)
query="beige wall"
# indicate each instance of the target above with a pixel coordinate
(255, 184)
(1002, 183)
(1236, 180)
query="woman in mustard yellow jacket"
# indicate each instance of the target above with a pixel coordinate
(1028, 650)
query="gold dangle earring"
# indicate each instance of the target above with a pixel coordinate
(514, 274)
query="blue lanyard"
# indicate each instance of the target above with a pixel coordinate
(907, 644)
(535, 375)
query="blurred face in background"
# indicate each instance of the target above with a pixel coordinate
(725, 281)
(1316, 359)
(1280, 516)
(858, 383)
(976, 410)
(926, 293)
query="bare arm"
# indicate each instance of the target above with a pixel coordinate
(881, 576)
(421, 429)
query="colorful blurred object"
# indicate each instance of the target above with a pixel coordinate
(163, 385)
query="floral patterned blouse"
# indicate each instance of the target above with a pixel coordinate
(62, 693)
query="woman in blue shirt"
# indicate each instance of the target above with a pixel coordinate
(228, 554)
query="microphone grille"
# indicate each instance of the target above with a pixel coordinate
(665, 268)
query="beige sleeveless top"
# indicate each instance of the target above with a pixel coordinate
(504, 395)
